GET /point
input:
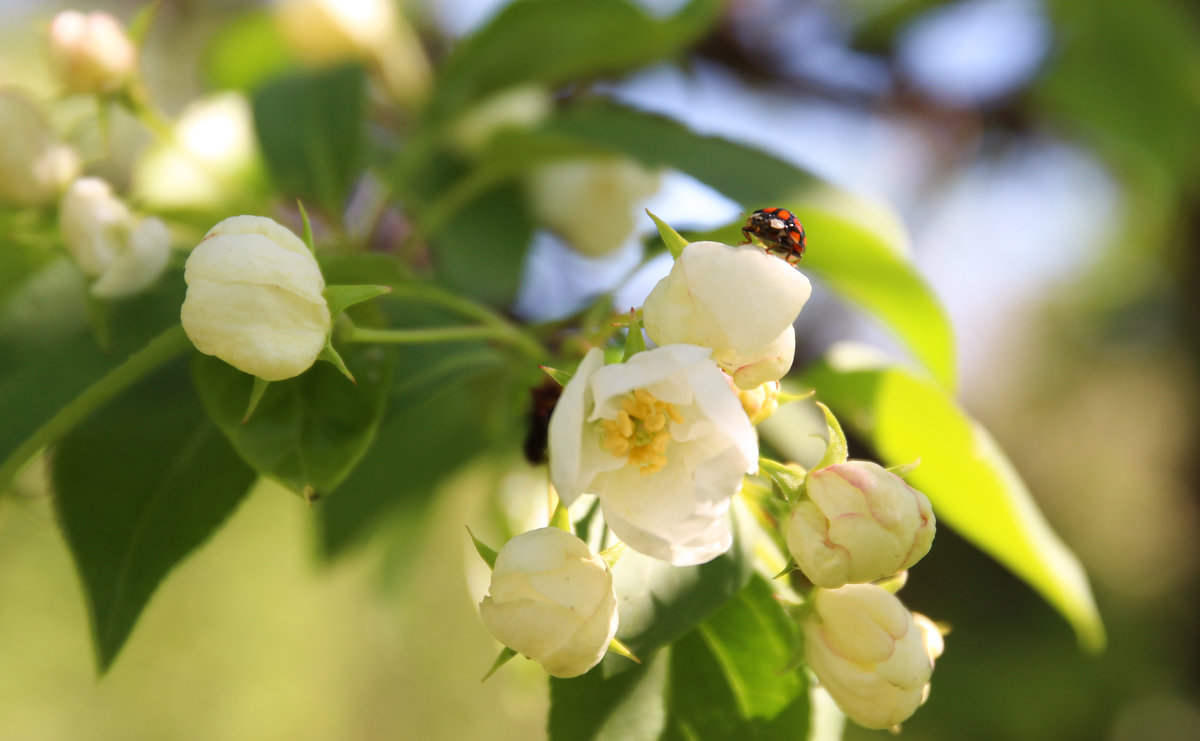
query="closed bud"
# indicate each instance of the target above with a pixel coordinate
(254, 299)
(91, 53)
(869, 653)
(122, 253)
(552, 600)
(34, 165)
(860, 523)
(759, 402)
(592, 204)
(740, 302)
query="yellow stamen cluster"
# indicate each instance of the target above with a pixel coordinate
(640, 431)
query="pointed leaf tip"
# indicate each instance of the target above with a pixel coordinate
(485, 552)
(504, 657)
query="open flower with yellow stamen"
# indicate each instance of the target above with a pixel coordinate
(663, 441)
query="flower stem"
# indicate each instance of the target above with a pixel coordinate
(158, 351)
(501, 328)
(442, 334)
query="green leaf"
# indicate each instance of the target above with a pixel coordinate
(670, 237)
(553, 42)
(661, 602)
(307, 432)
(635, 341)
(727, 679)
(855, 246)
(310, 127)
(483, 255)
(487, 553)
(246, 52)
(139, 485)
(972, 485)
(629, 706)
(49, 354)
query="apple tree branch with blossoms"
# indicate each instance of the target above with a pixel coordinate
(312, 276)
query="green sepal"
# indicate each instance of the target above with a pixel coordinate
(670, 237)
(612, 555)
(895, 582)
(788, 568)
(904, 469)
(634, 341)
(307, 234)
(560, 518)
(837, 450)
(256, 395)
(620, 649)
(560, 376)
(487, 554)
(340, 298)
(329, 355)
(501, 660)
(139, 27)
(788, 477)
(788, 398)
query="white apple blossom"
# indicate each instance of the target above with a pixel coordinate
(869, 653)
(34, 165)
(739, 301)
(860, 523)
(124, 254)
(663, 442)
(552, 600)
(91, 53)
(254, 298)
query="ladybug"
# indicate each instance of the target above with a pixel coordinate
(779, 231)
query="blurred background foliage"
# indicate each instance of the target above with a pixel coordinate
(1045, 157)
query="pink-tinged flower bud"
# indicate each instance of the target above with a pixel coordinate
(124, 254)
(34, 165)
(869, 653)
(254, 299)
(740, 302)
(552, 600)
(860, 523)
(91, 53)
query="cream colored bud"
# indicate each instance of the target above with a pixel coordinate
(552, 600)
(740, 302)
(91, 52)
(254, 298)
(860, 523)
(869, 653)
(34, 165)
(123, 253)
(520, 107)
(593, 204)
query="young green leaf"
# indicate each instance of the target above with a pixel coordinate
(487, 553)
(837, 450)
(168, 479)
(966, 476)
(341, 298)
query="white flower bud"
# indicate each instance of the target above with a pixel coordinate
(518, 107)
(254, 298)
(593, 204)
(124, 254)
(740, 302)
(664, 443)
(869, 653)
(91, 53)
(860, 523)
(552, 600)
(34, 165)
(211, 157)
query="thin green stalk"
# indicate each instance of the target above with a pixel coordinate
(440, 334)
(503, 329)
(158, 351)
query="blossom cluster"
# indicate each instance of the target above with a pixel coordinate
(664, 438)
